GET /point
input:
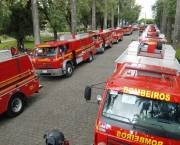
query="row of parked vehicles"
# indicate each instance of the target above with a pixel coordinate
(19, 72)
(141, 100)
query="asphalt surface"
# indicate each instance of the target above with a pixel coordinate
(60, 104)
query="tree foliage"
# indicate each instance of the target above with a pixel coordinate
(19, 24)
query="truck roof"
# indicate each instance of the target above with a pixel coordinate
(144, 77)
(63, 39)
(161, 58)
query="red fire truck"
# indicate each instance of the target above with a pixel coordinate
(117, 34)
(127, 30)
(153, 38)
(17, 82)
(58, 57)
(102, 39)
(141, 101)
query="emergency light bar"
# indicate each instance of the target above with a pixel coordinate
(153, 70)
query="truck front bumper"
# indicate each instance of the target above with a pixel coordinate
(49, 72)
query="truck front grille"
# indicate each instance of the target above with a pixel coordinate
(45, 65)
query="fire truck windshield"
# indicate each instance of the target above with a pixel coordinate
(45, 52)
(142, 111)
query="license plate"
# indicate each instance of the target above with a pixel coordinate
(44, 71)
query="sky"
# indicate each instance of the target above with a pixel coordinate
(146, 10)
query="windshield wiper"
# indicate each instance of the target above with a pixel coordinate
(123, 117)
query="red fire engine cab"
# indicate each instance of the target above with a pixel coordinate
(117, 34)
(127, 30)
(17, 82)
(102, 39)
(141, 100)
(56, 58)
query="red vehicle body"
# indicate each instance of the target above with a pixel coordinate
(17, 82)
(127, 30)
(117, 34)
(141, 101)
(56, 58)
(14, 50)
(142, 28)
(102, 39)
(151, 36)
(135, 27)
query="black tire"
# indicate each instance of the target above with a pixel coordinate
(15, 105)
(90, 57)
(103, 49)
(157, 34)
(159, 45)
(69, 70)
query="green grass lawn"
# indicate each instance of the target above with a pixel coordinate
(27, 44)
(178, 54)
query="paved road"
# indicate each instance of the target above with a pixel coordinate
(61, 104)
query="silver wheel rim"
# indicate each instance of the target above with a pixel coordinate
(16, 105)
(90, 57)
(69, 70)
(103, 49)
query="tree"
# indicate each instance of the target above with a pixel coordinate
(73, 17)
(52, 11)
(105, 14)
(93, 15)
(36, 28)
(176, 40)
(20, 24)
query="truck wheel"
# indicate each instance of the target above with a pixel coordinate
(159, 45)
(110, 46)
(15, 105)
(117, 41)
(121, 38)
(69, 70)
(90, 57)
(103, 48)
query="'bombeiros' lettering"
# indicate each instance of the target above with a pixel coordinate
(147, 93)
(138, 139)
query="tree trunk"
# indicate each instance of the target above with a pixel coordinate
(55, 33)
(93, 15)
(169, 29)
(164, 20)
(36, 28)
(176, 40)
(161, 23)
(112, 18)
(73, 17)
(105, 14)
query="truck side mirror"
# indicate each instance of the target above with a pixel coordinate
(87, 93)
